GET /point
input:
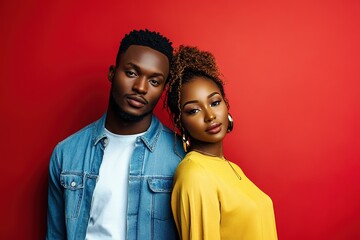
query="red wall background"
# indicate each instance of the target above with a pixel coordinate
(292, 70)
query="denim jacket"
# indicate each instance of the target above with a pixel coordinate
(74, 171)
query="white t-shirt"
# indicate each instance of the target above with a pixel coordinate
(109, 203)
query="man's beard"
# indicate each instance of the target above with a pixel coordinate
(127, 117)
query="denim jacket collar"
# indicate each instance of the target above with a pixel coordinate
(150, 137)
(99, 131)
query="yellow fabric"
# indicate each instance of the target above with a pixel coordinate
(210, 202)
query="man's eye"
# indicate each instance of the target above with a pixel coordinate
(130, 74)
(154, 82)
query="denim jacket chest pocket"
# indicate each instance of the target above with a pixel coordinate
(73, 184)
(161, 199)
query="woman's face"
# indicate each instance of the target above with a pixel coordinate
(203, 111)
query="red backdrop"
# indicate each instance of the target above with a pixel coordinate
(292, 77)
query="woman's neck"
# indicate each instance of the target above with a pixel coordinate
(209, 149)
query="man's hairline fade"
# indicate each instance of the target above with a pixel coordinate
(147, 38)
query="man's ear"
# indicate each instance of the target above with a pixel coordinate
(111, 73)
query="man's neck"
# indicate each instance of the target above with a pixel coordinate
(123, 127)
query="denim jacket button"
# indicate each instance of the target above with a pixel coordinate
(73, 184)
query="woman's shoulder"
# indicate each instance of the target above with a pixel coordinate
(192, 162)
(191, 168)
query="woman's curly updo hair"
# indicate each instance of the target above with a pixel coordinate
(187, 63)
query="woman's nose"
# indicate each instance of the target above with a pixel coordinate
(209, 115)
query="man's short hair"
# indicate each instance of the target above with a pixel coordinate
(146, 38)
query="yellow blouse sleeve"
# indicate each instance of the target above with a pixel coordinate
(195, 206)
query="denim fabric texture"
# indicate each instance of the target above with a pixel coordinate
(74, 171)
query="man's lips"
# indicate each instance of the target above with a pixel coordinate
(214, 128)
(136, 101)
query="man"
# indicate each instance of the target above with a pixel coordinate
(113, 178)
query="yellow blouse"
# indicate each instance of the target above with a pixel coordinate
(209, 201)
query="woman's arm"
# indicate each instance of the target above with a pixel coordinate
(195, 203)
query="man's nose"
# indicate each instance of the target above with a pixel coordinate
(141, 85)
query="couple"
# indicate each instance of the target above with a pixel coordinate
(115, 178)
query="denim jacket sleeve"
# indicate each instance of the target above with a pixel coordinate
(55, 216)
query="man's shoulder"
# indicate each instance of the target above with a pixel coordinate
(166, 134)
(82, 136)
(168, 142)
(166, 130)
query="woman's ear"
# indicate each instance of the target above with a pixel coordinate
(111, 73)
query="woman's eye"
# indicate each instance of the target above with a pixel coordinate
(215, 103)
(193, 111)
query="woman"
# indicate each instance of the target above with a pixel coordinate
(212, 198)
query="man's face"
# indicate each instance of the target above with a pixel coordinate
(138, 82)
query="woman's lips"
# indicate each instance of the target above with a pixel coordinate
(214, 128)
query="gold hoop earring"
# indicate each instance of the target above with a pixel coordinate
(186, 142)
(231, 123)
